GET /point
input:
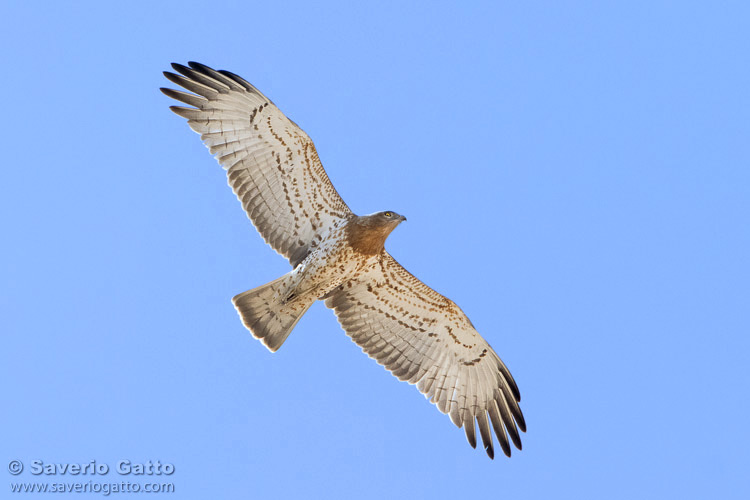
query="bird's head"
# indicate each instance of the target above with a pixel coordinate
(389, 218)
(367, 234)
(385, 222)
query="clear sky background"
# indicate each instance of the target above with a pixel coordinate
(576, 177)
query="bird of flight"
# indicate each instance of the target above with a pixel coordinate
(339, 257)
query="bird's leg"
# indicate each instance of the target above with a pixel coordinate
(294, 289)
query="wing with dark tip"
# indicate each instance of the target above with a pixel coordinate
(271, 164)
(425, 339)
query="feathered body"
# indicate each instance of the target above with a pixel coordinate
(416, 333)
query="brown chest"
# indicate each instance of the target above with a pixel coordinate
(365, 239)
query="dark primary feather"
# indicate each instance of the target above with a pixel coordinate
(416, 333)
(407, 327)
(272, 165)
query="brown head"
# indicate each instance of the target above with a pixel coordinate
(366, 234)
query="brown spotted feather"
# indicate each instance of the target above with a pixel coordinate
(272, 165)
(419, 335)
(425, 339)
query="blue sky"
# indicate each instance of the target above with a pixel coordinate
(576, 177)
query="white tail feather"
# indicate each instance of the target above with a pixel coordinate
(267, 315)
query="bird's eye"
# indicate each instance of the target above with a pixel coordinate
(387, 214)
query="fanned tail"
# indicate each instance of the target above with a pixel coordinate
(267, 316)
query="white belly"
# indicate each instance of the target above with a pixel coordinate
(330, 264)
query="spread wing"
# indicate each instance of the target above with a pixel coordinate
(271, 164)
(425, 339)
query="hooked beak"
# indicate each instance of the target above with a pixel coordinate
(402, 218)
